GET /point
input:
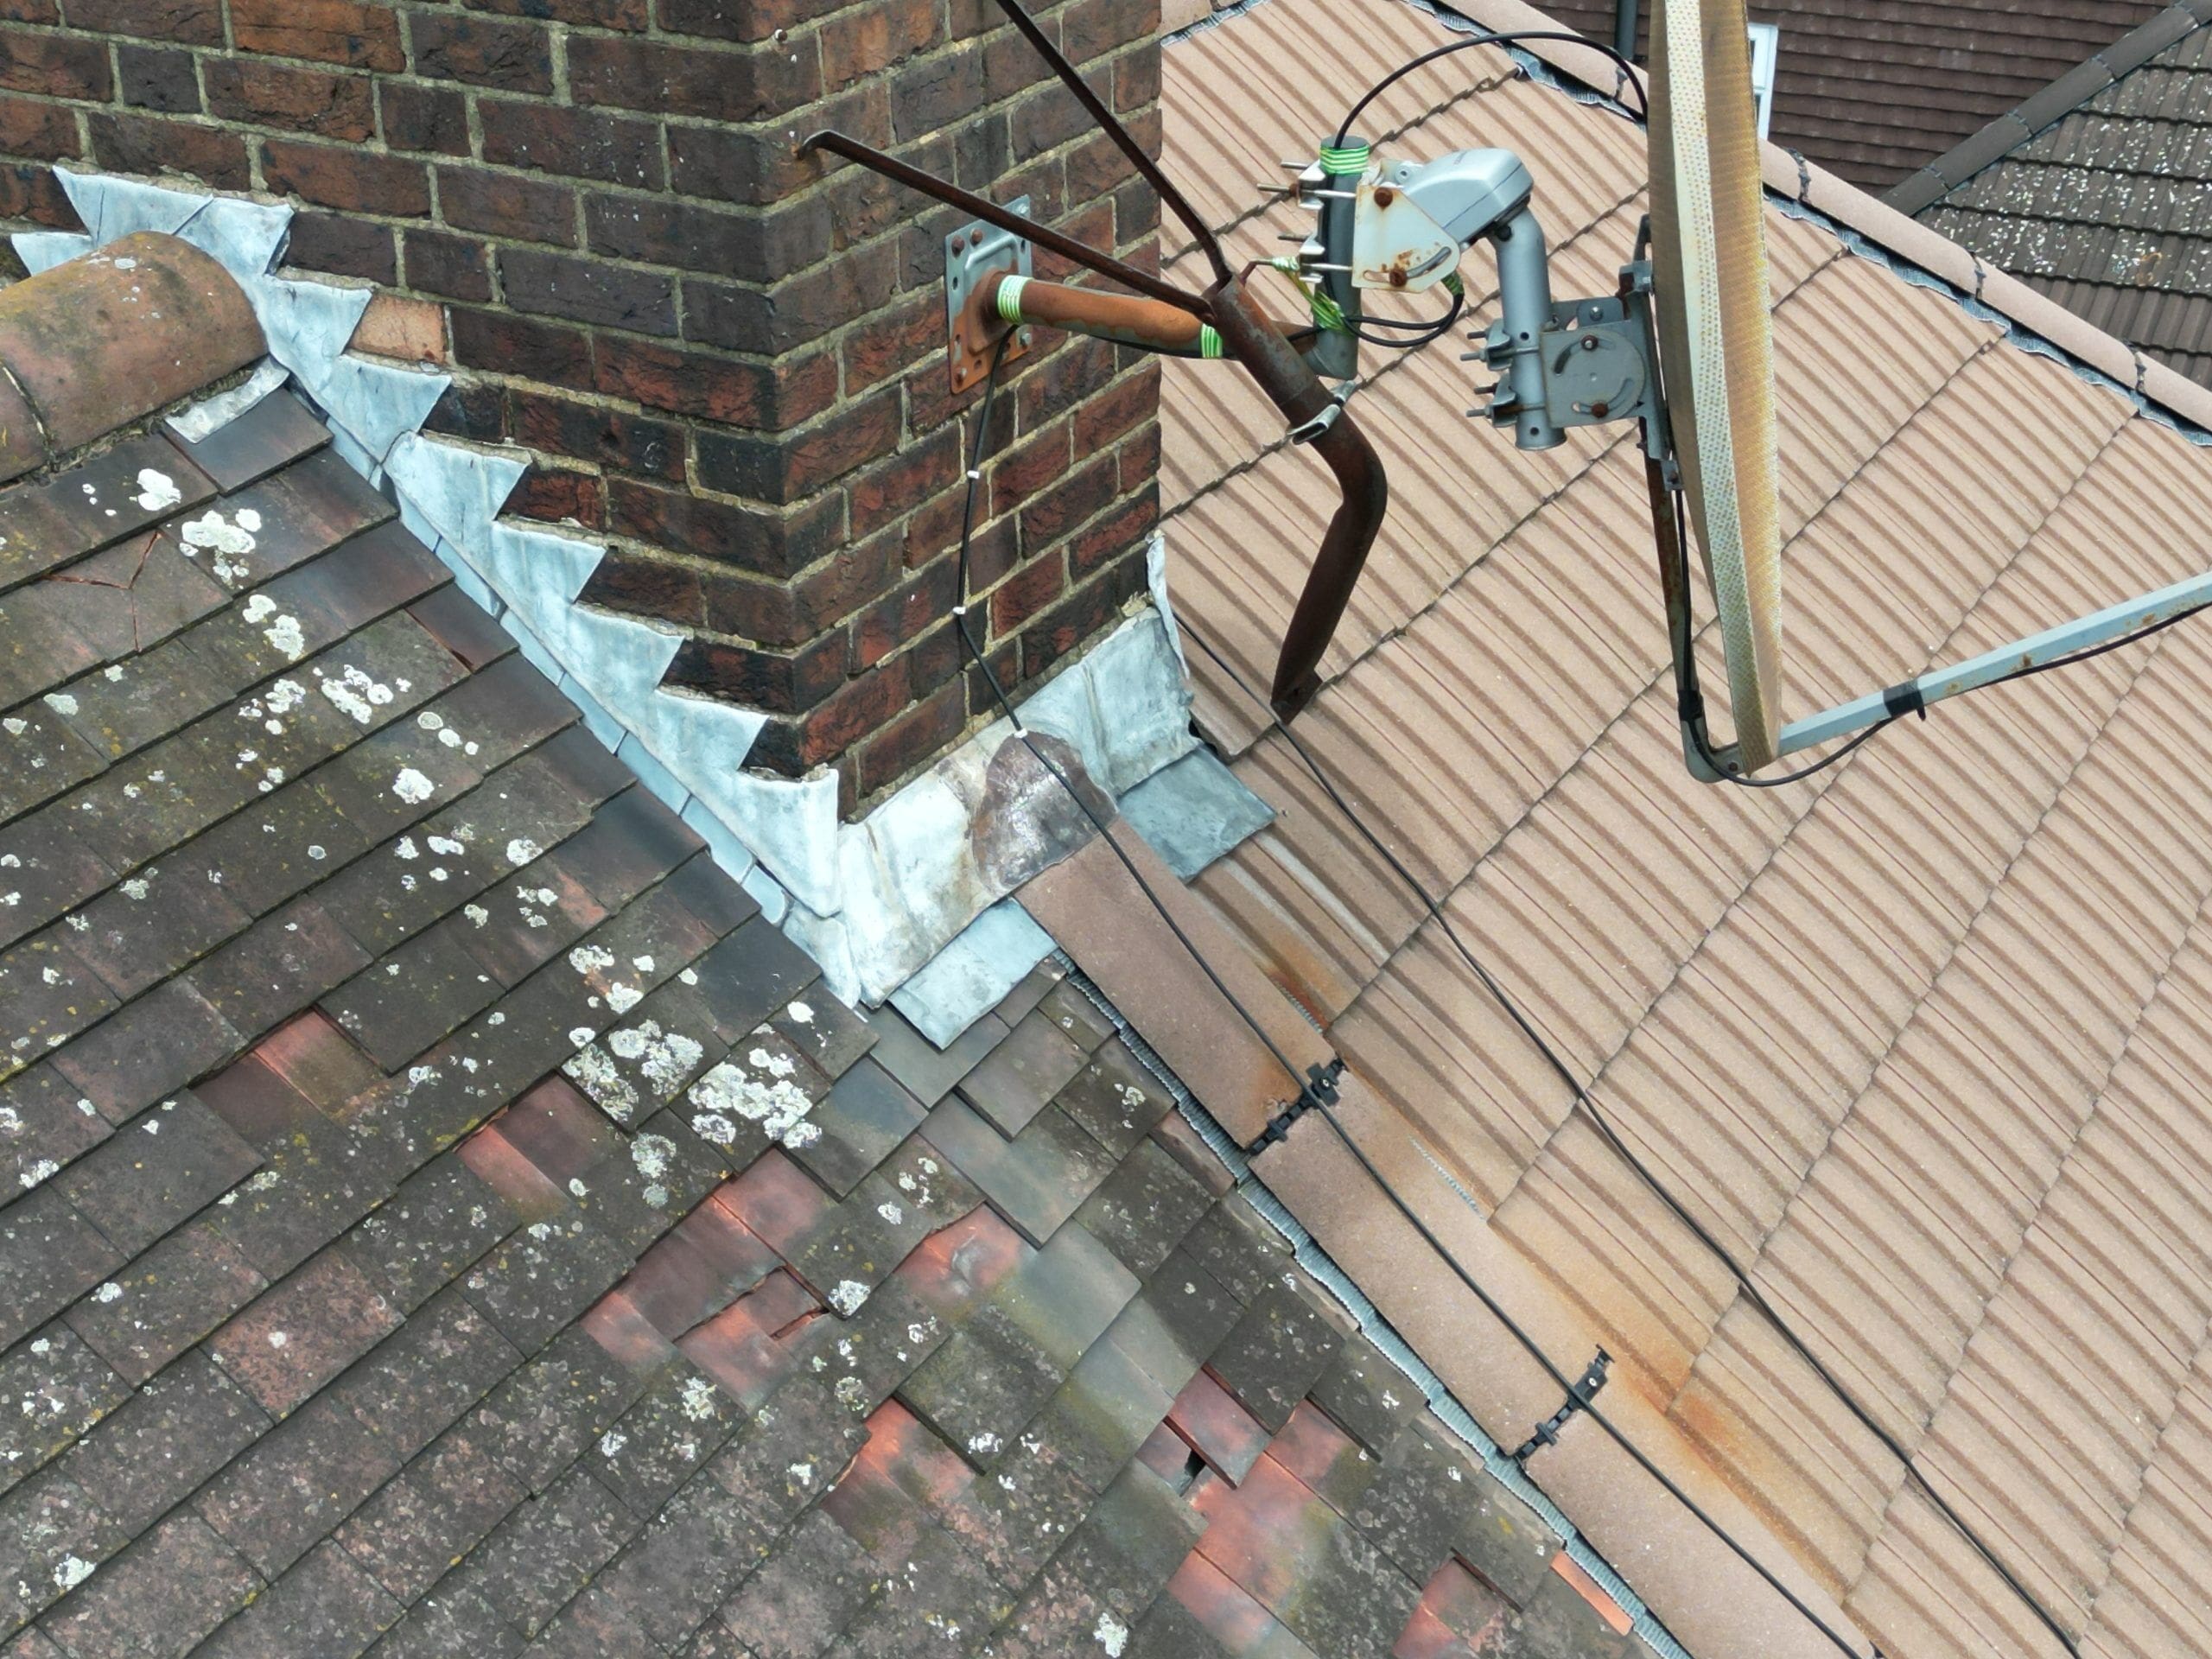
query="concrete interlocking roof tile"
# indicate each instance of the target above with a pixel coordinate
(1977, 936)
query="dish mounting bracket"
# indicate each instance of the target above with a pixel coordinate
(972, 254)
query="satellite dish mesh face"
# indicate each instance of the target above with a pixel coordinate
(1716, 342)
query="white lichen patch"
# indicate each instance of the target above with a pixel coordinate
(521, 851)
(108, 1291)
(412, 787)
(157, 491)
(847, 1296)
(227, 541)
(356, 694)
(622, 998)
(284, 635)
(1111, 1635)
(801, 1013)
(71, 1572)
(588, 959)
(61, 703)
(654, 1155)
(664, 1059)
(697, 1400)
(777, 1104)
(594, 1071)
(891, 1212)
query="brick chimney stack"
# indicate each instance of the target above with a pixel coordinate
(725, 363)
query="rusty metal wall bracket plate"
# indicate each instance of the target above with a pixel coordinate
(973, 253)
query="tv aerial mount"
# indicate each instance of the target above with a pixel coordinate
(1691, 306)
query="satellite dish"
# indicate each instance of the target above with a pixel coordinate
(1710, 314)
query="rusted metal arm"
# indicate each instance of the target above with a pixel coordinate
(1110, 123)
(1294, 388)
(990, 212)
(1147, 324)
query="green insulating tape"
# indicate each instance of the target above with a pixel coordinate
(1209, 341)
(1353, 158)
(1009, 297)
(1453, 285)
(1327, 313)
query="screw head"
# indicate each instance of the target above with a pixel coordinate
(1589, 342)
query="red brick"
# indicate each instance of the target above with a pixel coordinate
(343, 247)
(505, 344)
(1129, 403)
(1089, 28)
(607, 437)
(1079, 496)
(578, 144)
(1075, 621)
(897, 619)
(452, 266)
(329, 31)
(596, 13)
(1073, 371)
(1140, 457)
(787, 466)
(740, 20)
(1136, 80)
(157, 78)
(782, 316)
(715, 388)
(890, 343)
(1028, 469)
(433, 118)
(193, 23)
(665, 78)
(52, 65)
(1026, 594)
(141, 143)
(864, 40)
(352, 180)
(276, 95)
(509, 57)
(31, 128)
(554, 493)
(895, 486)
(499, 203)
(630, 579)
(750, 538)
(759, 246)
(1118, 531)
(31, 11)
(793, 747)
(913, 739)
(777, 682)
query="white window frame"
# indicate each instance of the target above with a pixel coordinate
(1766, 48)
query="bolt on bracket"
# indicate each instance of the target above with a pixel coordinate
(973, 253)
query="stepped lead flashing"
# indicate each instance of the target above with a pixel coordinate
(174, 321)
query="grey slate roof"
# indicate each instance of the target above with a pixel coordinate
(2098, 190)
(442, 1217)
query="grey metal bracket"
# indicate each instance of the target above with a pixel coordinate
(972, 254)
(1597, 357)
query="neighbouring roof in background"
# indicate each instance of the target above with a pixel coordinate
(1921, 1040)
(442, 1216)
(1871, 89)
(2095, 190)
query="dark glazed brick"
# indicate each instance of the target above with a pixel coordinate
(577, 143)
(344, 247)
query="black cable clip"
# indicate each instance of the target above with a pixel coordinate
(1320, 1089)
(1578, 1397)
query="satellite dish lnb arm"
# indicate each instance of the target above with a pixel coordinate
(2115, 624)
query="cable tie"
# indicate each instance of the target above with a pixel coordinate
(974, 475)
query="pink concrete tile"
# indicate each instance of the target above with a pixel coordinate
(614, 1323)
(558, 1130)
(1458, 1614)
(1588, 1588)
(955, 1267)
(1230, 1615)
(503, 1167)
(1321, 1455)
(774, 1199)
(1273, 1536)
(1219, 1430)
